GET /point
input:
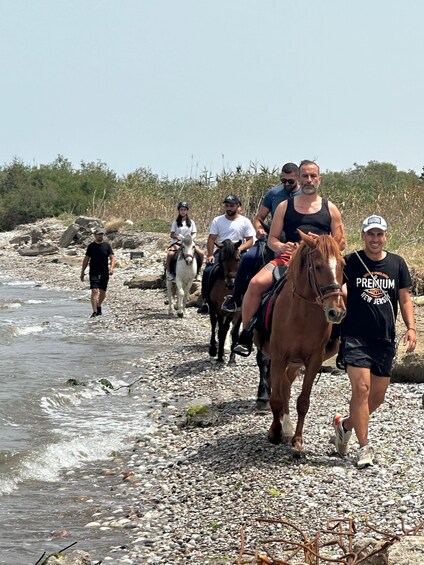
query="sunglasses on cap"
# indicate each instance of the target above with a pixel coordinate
(291, 182)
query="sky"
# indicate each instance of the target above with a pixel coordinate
(186, 86)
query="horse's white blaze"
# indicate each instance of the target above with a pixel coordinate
(333, 265)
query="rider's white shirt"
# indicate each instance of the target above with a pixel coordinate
(235, 230)
(183, 230)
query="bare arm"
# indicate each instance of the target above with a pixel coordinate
(85, 262)
(210, 247)
(112, 264)
(407, 311)
(248, 243)
(277, 227)
(260, 217)
(337, 227)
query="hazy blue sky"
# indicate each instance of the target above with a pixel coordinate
(182, 85)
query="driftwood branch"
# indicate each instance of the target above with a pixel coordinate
(342, 534)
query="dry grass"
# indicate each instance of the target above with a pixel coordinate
(150, 202)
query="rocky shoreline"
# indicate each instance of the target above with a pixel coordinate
(183, 493)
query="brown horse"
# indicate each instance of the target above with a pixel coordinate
(310, 302)
(221, 284)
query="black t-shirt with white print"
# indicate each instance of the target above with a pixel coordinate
(369, 314)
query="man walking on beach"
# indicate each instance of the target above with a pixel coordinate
(97, 255)
(376, 281)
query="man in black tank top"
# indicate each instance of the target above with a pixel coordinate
(307, 212)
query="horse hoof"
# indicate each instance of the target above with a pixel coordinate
(298, 453)
(232, 360)
(181, 314)
(262, 406)
(275, 439)
(212, 352)
(220, 360)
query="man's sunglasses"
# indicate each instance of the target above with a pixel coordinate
(291, 182)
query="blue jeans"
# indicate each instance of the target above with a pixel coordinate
(207, 274)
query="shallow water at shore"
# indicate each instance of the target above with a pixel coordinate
(49, 429)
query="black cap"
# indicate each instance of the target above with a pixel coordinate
(231, 199)
(183, 204)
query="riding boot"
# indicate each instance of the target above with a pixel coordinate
(244, 344)
(204, 308)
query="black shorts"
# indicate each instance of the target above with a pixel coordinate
(374, 354)
(99, 281)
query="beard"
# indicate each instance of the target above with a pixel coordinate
(231, 213)
(309, 188)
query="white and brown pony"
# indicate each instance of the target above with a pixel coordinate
(185, 271)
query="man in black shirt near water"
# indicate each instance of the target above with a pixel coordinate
(97, 255)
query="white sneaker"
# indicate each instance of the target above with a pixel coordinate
(342, 436)
(364, 457)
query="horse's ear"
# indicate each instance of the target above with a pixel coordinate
(309, 239)
(237, 245)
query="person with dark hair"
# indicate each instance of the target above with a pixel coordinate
(308, 212)
(376, 282)
(251, 260)
(183, 225)
(97, 255)
(231, 225)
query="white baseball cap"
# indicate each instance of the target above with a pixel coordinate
(374, 222)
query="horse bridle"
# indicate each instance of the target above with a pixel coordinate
(322, 292)
(186, 255)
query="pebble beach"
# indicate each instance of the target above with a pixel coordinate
(182, 494)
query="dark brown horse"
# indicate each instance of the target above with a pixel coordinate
(221, 284)
(310, 302)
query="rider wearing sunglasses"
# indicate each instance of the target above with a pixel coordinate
(251, 261)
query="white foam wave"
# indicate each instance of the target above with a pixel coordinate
(10, 305)
(28, 330)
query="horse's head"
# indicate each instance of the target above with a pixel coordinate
(229, 258)
(187, 249)
(321, 256)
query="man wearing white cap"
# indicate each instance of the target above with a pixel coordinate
(376, 282)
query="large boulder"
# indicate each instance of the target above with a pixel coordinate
(37, 235)
(20, 239)
(409, 369)
(42, 248)
(144, 282)
(69, 235)
(408, 551)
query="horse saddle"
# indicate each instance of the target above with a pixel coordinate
(262, 321)
(174, 258)
(215, 273)
(199, 260)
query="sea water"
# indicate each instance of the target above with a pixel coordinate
(52, 433)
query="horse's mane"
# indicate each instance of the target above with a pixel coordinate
(326, 245)
(227, 250)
